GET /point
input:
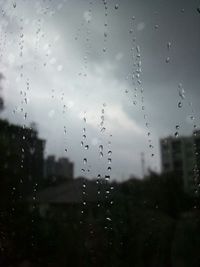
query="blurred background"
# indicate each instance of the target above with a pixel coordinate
(99, 133)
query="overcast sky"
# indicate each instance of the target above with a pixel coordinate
(129, 61)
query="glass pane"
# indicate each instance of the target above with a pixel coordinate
(99, 133)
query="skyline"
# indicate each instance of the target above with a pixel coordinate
(54, 45)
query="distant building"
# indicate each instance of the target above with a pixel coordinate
(182, 155)
(61, 168)
(21, 156)
(65, 168)
(50, 166)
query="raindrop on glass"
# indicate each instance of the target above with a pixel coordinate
(176, 134)
(167, 60)
(101, 154)
(109, 152)
(116, 6)
(169, 45)
(107, 177)
(180, 104)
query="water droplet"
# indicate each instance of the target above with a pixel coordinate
(109, 160)
(104, 49)
(65, 149)
(181, 92)
(101, 148)
(180, 104)
(167, 60)
(101, 154)
(109, 152)
(116, 6)
(84, 161)
(81, 143)
(198, 9)
(138, 49)
(109, 168)
(169, 45)
(177, 127)
(156, 26)
(107, 177)
(108, 219)
(192, 118)
(86, 147)
(14, 4)
(176, 134)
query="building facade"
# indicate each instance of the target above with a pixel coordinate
(58, 169)
(181, 155)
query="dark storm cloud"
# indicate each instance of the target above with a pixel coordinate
(167, 33)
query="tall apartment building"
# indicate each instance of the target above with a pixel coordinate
(62, 168)
(182, 155)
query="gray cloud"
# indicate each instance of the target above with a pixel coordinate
(68, 71)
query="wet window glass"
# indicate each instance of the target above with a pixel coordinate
(99, 133)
